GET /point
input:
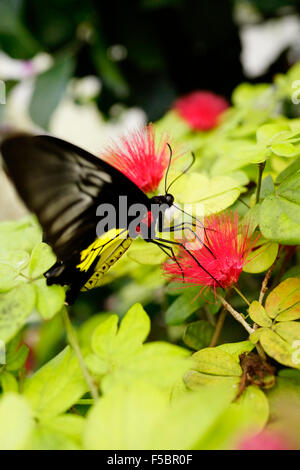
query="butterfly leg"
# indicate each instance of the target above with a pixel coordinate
(181, 245)
(185, 226)
(164, 248)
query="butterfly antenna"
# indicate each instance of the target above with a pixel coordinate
(183, 172)
(169, 164)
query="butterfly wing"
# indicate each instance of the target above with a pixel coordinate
(63, 185)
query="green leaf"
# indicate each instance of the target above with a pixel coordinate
(195, 380)
(11, 264)
(246, 416)
(134, 329)
(184, 306)
(283, 302)
(59, 433)
(111, 344)
(267, 187)
(215, 194)
(8, 382)
(125, 418)
(86, 330)
(279, 349)
(20, 235)
(255, 336)
(49, 299)
(49, 397)
(159, 363)
(246, 94)
(42, 258)
(120, 356)
(258, 314)
(130, 417)
(217, 362)
(103, 339)
(268, 132)
(198, 334)
(236, 349)
(279, 216)
(16, 422)
(17, 359)
(289, 171)
(261, 258)
(8, 277)
(195, 413)
(285, 149)
(17, 259)
(289, 331)
(50, 87)
(15, 306)
(150, 254)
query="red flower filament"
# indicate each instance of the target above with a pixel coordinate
(225, 261)
(140, 158)
(201, 109)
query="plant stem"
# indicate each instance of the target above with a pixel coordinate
(235, 314)
(218, 328)
(72, 338)
(261, 352)
(241, 295)
(264, 286)
(261, 167)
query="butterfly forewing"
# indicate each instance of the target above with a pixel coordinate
(64, 185)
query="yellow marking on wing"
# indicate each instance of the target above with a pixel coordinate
(105, 250)
(88, 256)
(107, 259)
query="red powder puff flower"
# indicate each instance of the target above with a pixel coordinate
(264, 441)
(201, 109)
(140, 158)
(222, 257)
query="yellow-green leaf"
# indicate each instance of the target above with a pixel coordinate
(261, 258)
(278, 348)
(258, 314)
(289, 331)
(284, 300)
(217, 362)
(16, 422)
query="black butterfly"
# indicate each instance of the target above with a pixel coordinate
(63, 185)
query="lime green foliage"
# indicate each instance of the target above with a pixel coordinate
(220, 367)
(23, 260)
(198, 334)
(161, 385)
(127, 418)
(279, 217)
(16, 422)
(262, 257)
(278, 334)
(119, 354)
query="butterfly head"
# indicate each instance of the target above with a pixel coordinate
(163, 199)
